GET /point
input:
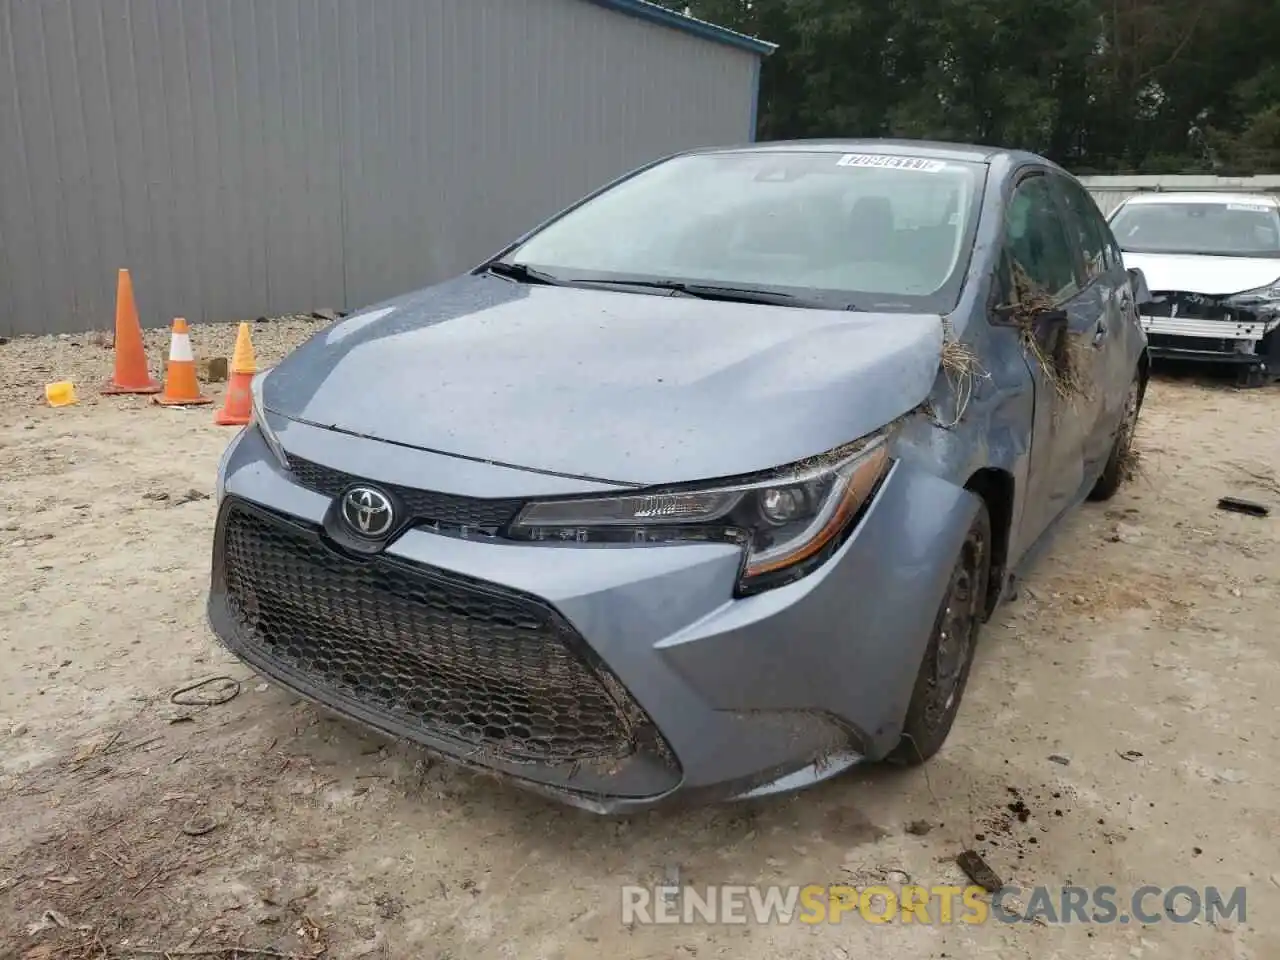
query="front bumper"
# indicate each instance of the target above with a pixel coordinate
(611, 678)
(1225, 340)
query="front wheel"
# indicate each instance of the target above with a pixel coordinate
(1120, 460)
(944, 671)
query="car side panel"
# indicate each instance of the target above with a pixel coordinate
(1082, 413)
(986, 419)
(1008, 420)
(990, 429)
(1121, 351)
(1055, 470)
(1131, 340)
(1116, 346)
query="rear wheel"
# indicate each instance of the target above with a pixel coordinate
(944, 671)
(1119, 461)
(1267, 368)
(1251, 377)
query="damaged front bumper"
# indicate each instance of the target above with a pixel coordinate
(1201, 327)
(611, 678)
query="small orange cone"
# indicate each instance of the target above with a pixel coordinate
(131, 375)
(237, 408)
(181, 388)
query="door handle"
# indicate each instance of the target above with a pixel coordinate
(1100, 333)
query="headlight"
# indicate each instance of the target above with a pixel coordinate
(260, 419)
(788, 522)
(1264, 301)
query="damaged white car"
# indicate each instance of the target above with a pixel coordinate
(1212, 264)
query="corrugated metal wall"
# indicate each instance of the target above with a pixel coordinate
(1110, 191)
(249, 157)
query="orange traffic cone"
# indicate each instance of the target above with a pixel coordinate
(181, 388)
(131, 375)
(237, 408)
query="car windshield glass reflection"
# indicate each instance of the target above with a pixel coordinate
(870, 231)
(1208, 229)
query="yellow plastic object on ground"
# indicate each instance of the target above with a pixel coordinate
(61, 393)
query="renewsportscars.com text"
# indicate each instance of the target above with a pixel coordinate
(939, 904)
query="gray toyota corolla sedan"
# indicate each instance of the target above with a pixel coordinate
(703, 488)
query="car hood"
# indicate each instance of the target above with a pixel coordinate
(1212, 276)
(623, 387)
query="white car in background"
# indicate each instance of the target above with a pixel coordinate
(1212, 265)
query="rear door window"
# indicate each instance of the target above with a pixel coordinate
(1087, 228)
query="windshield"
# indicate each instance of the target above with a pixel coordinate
(870, 232)
(1209, 229)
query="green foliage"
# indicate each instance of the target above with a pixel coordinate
(1135, 86)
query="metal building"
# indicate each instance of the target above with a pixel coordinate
(262, 157)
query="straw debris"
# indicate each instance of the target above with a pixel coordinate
(961, 366)
(1064, 367)
(959, 360)
(1132, 464)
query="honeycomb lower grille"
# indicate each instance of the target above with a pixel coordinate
(423, 505)
(445, 656)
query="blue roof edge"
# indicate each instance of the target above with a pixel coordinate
(644, 10)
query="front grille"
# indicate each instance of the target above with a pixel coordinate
(423, 505)
(432, 652)
(1195, 306)
(1188, 307)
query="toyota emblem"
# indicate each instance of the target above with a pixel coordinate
(368, 512)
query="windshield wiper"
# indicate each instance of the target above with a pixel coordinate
(521, 273)
(703, 291)
(713, 291)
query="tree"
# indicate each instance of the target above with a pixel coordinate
(1098, 85)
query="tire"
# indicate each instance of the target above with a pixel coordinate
(1117, 469)
(1252, 377)
(944, 669)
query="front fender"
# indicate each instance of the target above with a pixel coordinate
(848, 639)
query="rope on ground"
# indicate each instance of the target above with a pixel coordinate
(229, 690)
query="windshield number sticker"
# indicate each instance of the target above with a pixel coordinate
(886, 162)
(1249, 207)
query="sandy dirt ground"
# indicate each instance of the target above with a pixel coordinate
(1138, 655)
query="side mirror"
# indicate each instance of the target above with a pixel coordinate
(1138, 281)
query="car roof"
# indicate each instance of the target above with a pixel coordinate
(1215, 196)
(925, 149)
